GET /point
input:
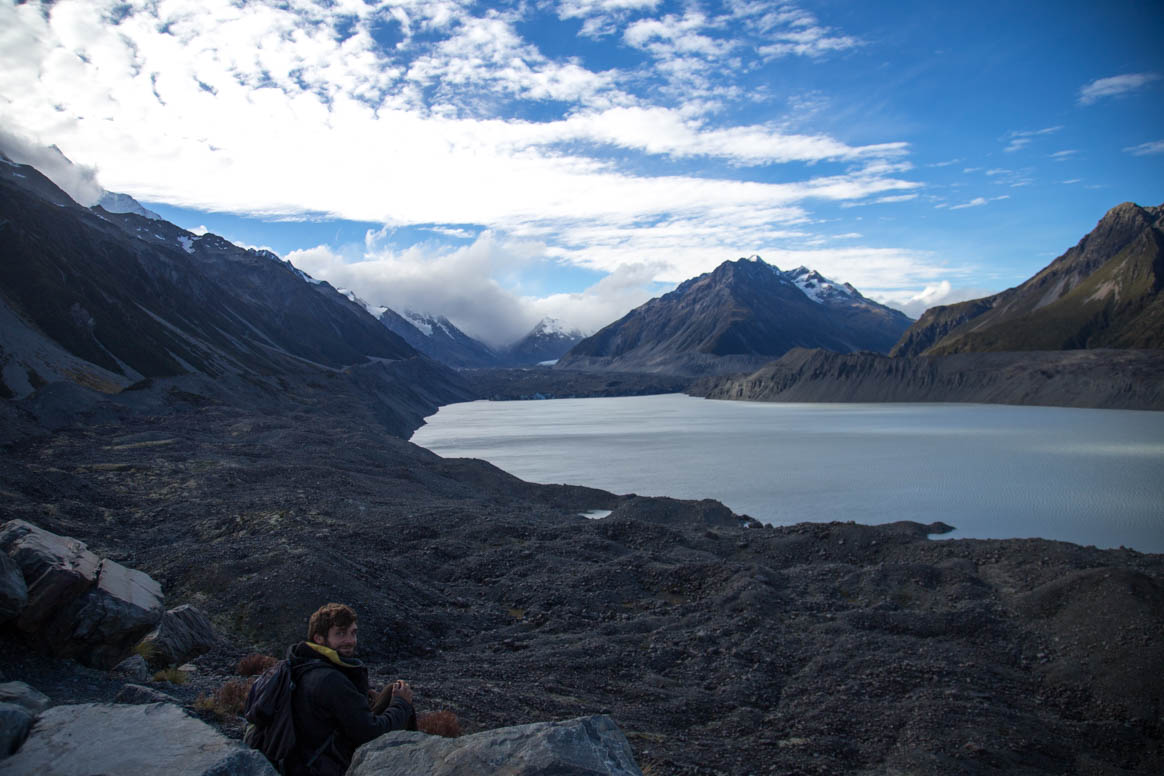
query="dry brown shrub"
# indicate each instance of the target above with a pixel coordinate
(254, 664)
(439, 723)
(228, 700)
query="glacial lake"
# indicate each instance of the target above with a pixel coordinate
(1093, 477)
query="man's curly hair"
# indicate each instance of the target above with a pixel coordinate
(327, 616)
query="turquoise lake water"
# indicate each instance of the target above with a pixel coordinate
(1093, 477)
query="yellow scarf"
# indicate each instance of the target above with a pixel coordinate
(330, 654)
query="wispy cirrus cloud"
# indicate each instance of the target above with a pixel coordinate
(1147, 149)
(1018, 140)
(1114, 86)
(976, 202)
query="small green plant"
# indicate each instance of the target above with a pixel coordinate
(171, 675)
(147, 649)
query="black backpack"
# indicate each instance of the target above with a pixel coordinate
(268, 710)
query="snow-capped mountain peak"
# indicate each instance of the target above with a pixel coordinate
(432, 324)
(552, 327)
(373, 310)
(817, 287)
(113, 202)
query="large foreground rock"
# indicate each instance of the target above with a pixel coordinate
(183, 634)
(586, 746)
(158, 738)
(108, 620)
(22, 694)
(78, 605)
(57, 570)
(13, 590)
(14, 724)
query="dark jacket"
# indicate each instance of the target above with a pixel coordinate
(332, 697)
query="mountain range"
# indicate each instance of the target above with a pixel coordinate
(113, 297)
(439, 338)
(742, 314)
(1102, 293)
(112, 301)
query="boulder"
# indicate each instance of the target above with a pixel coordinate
(93, 738)
(78, 605)
(13, 590)
(183, 634)
(133, 667)
(57, 570)
(586, 746)
(14, 724)
(24, 695)
(107, 621)
(137, 694)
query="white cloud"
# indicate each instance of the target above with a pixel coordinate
(288, 109)
(459, 283)
(1146, 149)
(1062, 156)
(1115, 86)
(78, 181)
(913, 303)
(978, 202)
(1018, 140)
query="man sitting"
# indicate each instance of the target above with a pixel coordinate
(331, 708)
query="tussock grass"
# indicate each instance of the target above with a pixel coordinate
(254, 664)
(171, 675)
(227, 701)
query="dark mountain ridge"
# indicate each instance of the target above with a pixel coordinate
(109, 301)
(438, 338)
(549, 340)
(1085, 331)
(743, 313)
(1102, 293)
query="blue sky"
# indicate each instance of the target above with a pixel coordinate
(498, 162)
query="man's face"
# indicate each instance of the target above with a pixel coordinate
(342, 640)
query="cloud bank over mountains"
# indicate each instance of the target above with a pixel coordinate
(607, 136)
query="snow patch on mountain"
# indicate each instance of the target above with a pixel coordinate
(123, 203)
(817, 287)
(373, 310)
(422, 322)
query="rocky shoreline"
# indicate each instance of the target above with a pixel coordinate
(719, 646)
(1102, 379)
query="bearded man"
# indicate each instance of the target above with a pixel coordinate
(332, 705)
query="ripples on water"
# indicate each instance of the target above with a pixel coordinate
(993, 471)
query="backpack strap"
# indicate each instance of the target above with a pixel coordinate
(326, 743)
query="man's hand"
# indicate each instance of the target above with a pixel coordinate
(399, 687)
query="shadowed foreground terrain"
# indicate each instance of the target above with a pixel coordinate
(717, 644)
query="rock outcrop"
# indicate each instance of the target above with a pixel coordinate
(57, 570)
(183, 634)
(1102, 293)
(13, 590)
(586, 746)
(25, 696)
(1108, 379)
(78, 605)
(15, 722)
(137, 694)
(130, 741)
